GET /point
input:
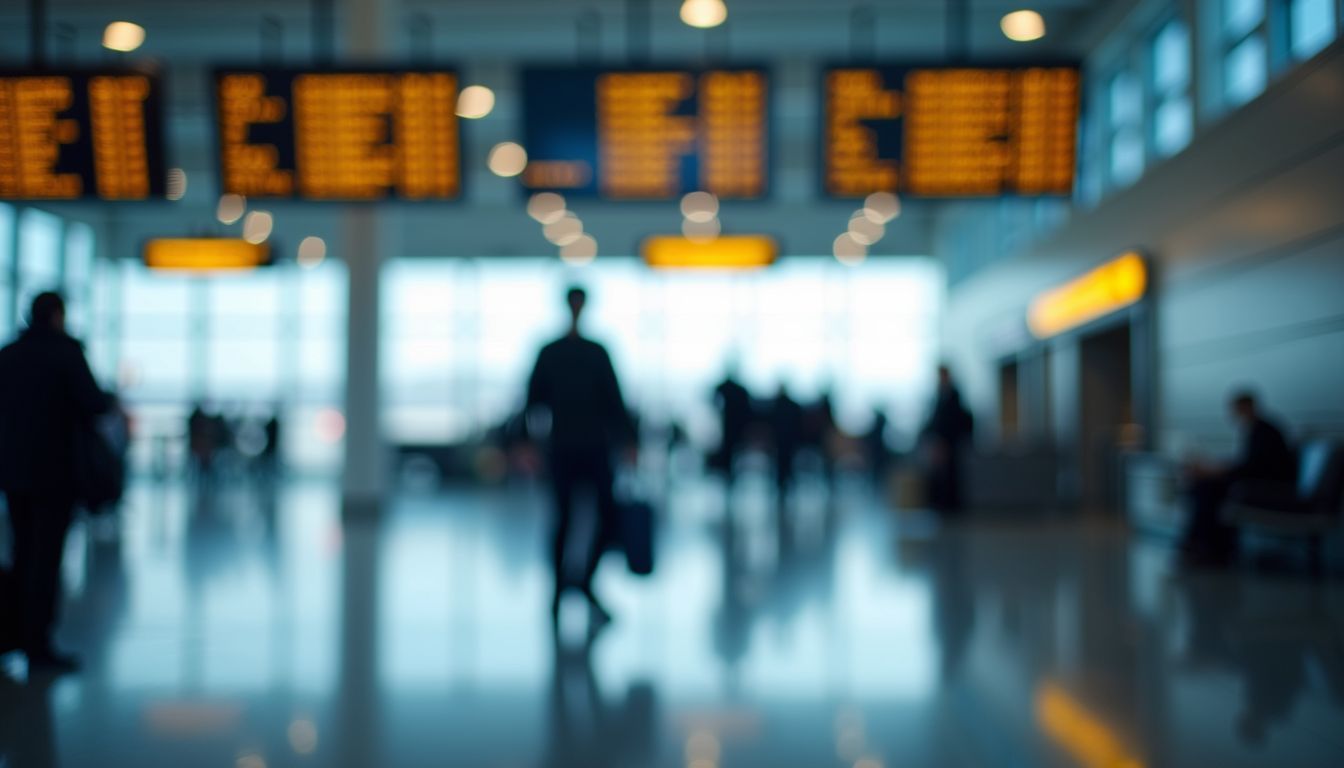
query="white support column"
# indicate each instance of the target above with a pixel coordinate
(368, 26)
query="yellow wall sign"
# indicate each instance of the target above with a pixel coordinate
(728, 252)
(205, 254)
(1112, 286)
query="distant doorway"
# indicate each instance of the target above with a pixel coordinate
(1107, 405)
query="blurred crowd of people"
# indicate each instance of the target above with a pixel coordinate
(249, 442)
(786, 430)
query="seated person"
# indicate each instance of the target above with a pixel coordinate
(1264, 457)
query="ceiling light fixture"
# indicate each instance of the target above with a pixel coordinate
(1023, 26)
(231, 208)
(507, 159)
(704, 14)
(475, 102)
(124, 36)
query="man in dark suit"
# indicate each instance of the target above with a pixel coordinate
(944, 438)
(1264, 458)
(47, 397)
(734, 403)
(574, 381)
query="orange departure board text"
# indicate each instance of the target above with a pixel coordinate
(950, 131)
(647, 134)
(70, 135)
(339, 135)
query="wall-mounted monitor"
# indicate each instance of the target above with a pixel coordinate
(949, 131)
(349, 135)
(647, 134)
(91, 134)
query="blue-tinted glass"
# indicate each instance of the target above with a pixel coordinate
(1241, 16)
(1172, 125)
(1244, 70)
(460, 342)
(6, 239)
(1171, 57)
(79, 276)
(39, 255)
(1126, 157)
(1126, 100)
(1311, 26)
(6, 259)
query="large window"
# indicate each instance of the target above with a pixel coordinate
(1311, 26)
(1125, 119)
(244, 345)
(78, 284)
(7, 225)
(1246, 61)
(460, 337)
(39, 256)
(1173, 117)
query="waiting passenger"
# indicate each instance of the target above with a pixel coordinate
(734, 403)
(945, 437)
(876, 448)
(786, 429)
(575, 382)
(48, 404)
(1264, 457)
(819, 434)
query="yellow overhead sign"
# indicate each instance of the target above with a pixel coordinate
(205, 254)
(728, 252)
(1112, 286)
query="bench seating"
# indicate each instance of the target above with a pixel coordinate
(1308, 511)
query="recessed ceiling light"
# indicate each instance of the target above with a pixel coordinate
(123, 36)
(1023, 26)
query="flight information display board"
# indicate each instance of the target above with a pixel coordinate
(81, 134)
(648, 134)
(341, 135)
(950, 131)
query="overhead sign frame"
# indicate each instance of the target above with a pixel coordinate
(895, 143)
(582, 142)
(280, 154)
(77, 134)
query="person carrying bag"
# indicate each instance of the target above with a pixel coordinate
(49, 463)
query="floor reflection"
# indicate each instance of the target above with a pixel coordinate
(246, 625)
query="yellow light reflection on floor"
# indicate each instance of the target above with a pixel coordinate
(205, 254)
(729, 252)
(1079, 732)
(1112, 286)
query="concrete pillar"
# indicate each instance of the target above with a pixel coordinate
(365, 476)
(368, 25)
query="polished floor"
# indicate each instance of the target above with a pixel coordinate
(248, 627)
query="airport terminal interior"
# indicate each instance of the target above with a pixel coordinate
(968, 386)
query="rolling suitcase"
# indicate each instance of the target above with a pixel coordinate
(635, 525)
(637, 534)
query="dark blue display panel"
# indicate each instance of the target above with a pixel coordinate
(81, 134)
(338, 134)
(940, 131)
(647, 134)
